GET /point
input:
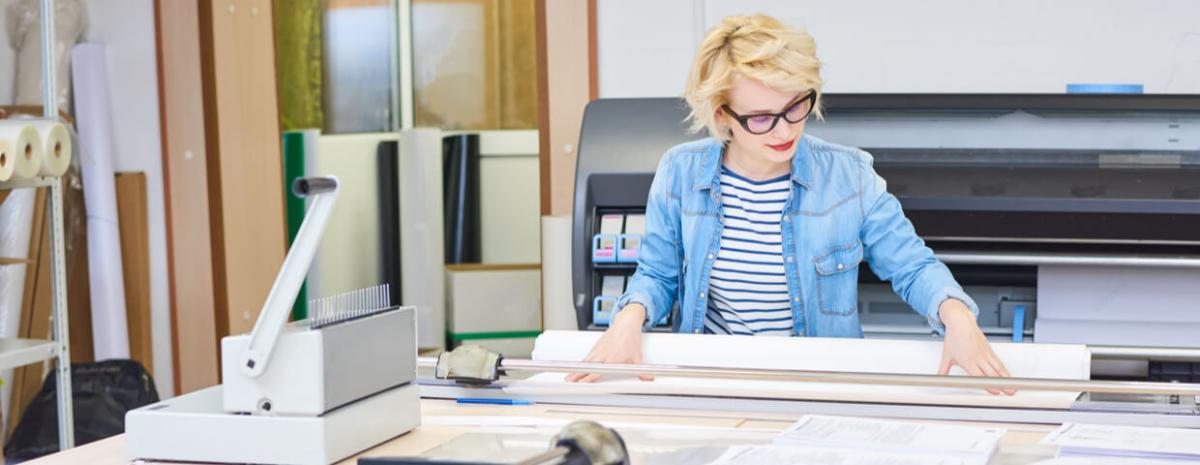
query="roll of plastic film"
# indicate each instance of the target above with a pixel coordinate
(26, 147)
(57, 149)
(7, 163)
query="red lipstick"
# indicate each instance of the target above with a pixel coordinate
(783, 147)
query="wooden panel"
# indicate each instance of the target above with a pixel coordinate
(79, 296)
(135, 264)
(245, 183)
(185, 182)
(517, 44)
(565, 77)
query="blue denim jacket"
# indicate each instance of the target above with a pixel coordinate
(838, 214)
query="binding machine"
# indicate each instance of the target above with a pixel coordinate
(310, 392)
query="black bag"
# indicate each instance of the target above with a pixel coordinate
(102, 392)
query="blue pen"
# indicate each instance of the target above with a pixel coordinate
(480, 400)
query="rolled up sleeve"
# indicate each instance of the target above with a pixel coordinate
(897, 254)
(656, 282)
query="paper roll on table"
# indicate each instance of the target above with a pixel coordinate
(26, 147)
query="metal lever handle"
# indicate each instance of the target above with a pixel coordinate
(323, 191)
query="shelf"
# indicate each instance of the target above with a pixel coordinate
(614, 266)
(14, 261)
(19, 183)
(19, 352)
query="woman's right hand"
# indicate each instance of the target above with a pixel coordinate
(621, 343)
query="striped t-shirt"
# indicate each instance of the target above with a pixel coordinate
(748, 290)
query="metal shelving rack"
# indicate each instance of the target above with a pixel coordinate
(15, 352)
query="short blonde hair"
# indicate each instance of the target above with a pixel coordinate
(757, 47)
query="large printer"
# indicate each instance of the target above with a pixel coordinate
(1069, 218)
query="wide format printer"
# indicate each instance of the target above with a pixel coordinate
(1069, 218)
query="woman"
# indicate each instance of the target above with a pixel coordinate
(759, 229)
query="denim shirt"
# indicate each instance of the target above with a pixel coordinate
(838, 214)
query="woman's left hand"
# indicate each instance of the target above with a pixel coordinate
(967, 347)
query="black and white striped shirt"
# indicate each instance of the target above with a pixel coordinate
(748, 287)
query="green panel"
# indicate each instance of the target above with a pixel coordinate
(293, 167)
(459, 337)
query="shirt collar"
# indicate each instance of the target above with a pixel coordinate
(709, 172)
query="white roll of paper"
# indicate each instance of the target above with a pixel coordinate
(109, 330)
(845, 355)
(7, 160)
(27, 147)
(56, 147)
(422, 251)
(558, 311)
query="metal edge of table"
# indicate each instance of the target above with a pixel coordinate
(803, 407)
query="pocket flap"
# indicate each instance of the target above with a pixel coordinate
(840, 259)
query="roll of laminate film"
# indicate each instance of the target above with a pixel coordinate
(422, 256)
(107, 284)
(27, 147)
(7, 160)
(387, 163)
(56, 147)
(461, 200)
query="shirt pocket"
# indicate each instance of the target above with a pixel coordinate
(837, 279)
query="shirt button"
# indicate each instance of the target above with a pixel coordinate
(702, 295)
(787, 217)
(796, 299)
(791, 259)
(710, 256)
(696, 331)
(841, 266)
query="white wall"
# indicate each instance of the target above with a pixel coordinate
(7, 56)
(126, 28)
(934, 46)
(644, 49)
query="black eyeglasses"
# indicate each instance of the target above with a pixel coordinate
(762, 123)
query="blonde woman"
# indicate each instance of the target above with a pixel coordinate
(760, 229)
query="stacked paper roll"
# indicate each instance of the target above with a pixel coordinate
(57, 148)
(7, 160)
(26, 147)
(32, 147)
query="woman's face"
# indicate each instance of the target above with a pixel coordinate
(755, 102)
